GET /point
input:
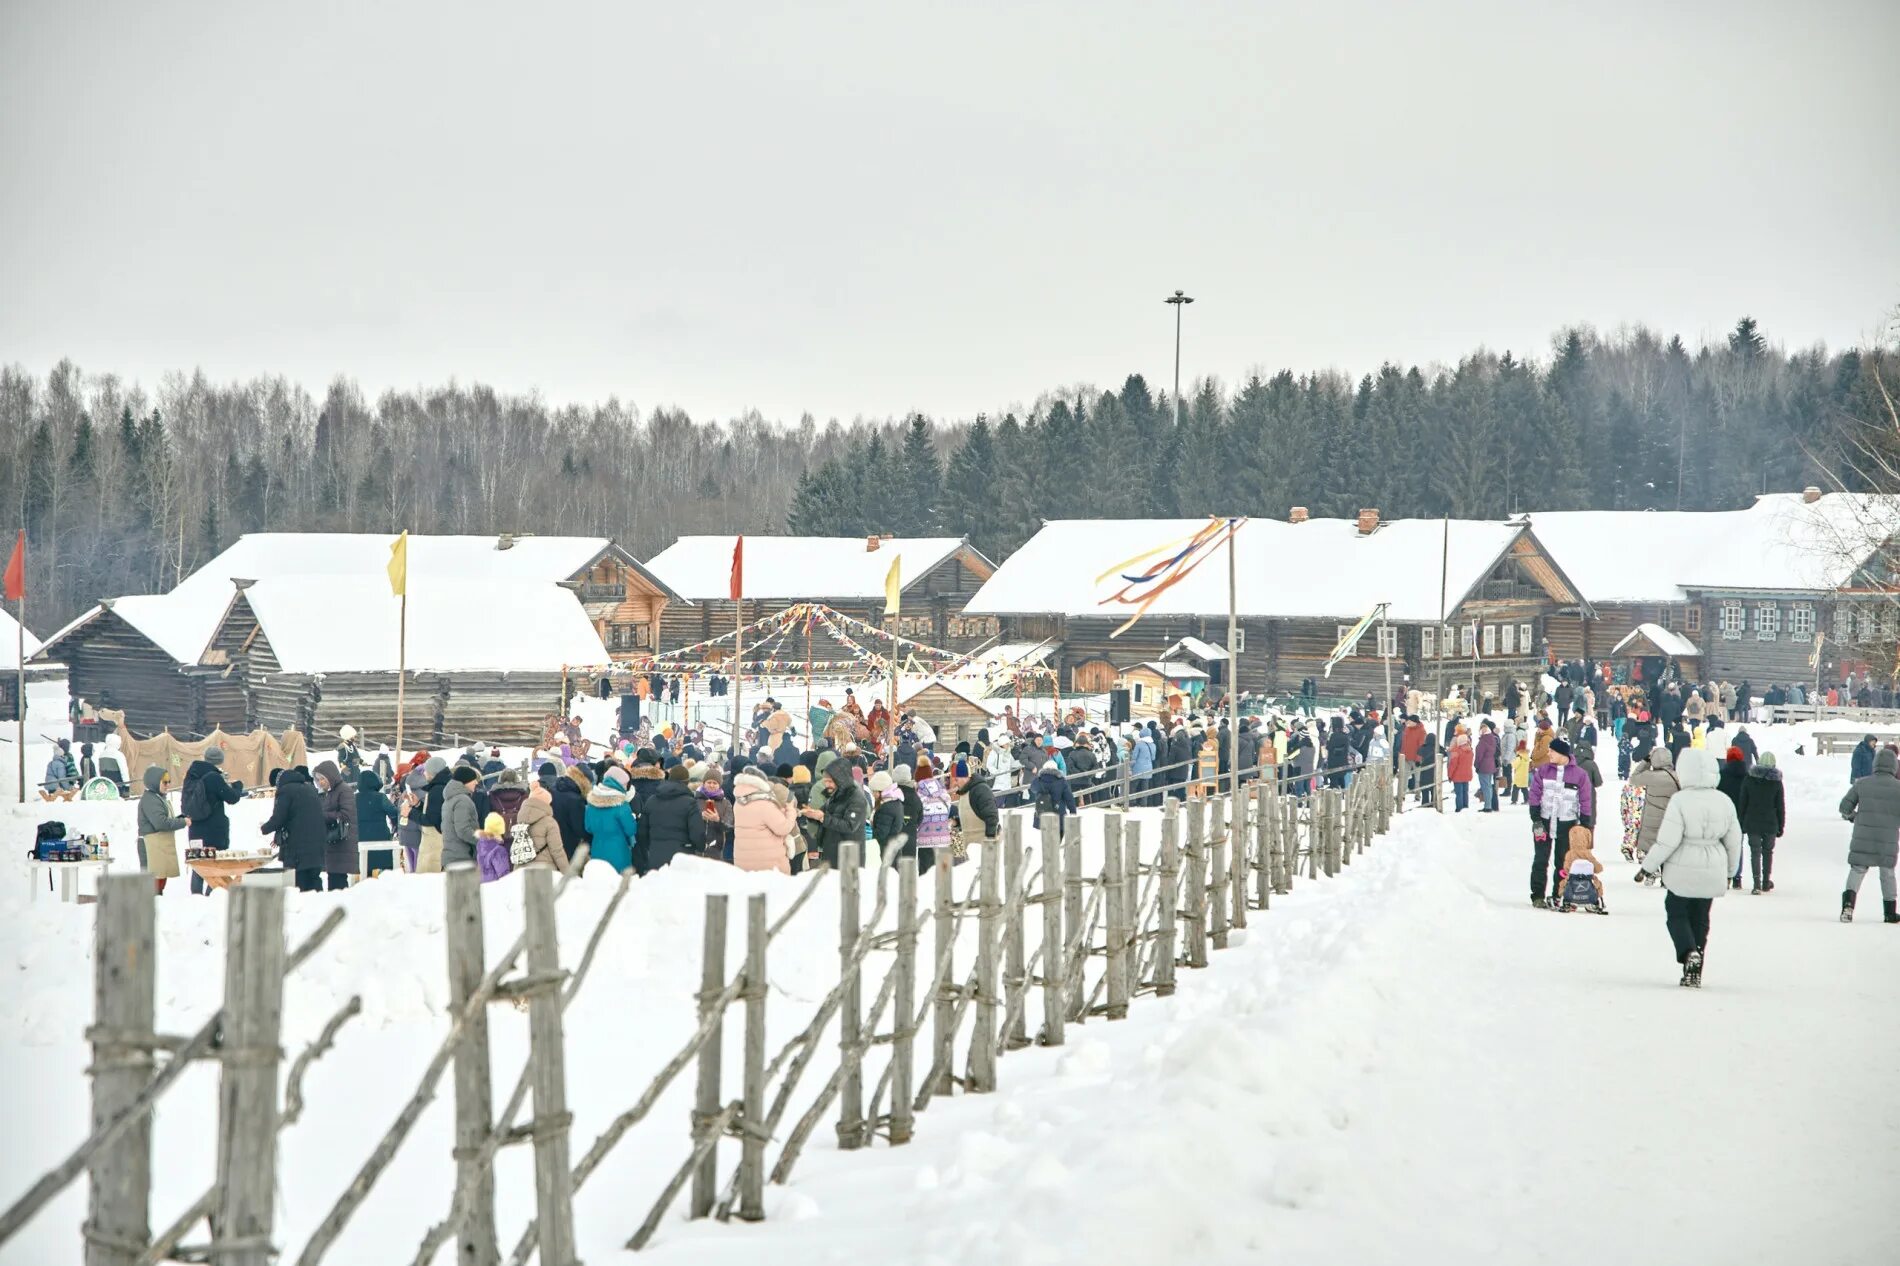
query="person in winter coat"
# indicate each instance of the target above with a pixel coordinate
(1181, 748)
(671, 822)
(1338, 754)
(1873, 806)
(158, 827)
(1863, 762)
(461, 820)
(349, 757)
(376, 816)
(570, 812)
(1764, 814)
(491, 848)
(409, 801)
(1460, 758)
(1561, 797)
(1656, 778)
(610, 822)
(507, 796)
(933, 827)
(429, 851)
(339, 823)
(1141, 765)
(1746, 741)
(1540, 743)
(887, 818)
(1586, 760)
(1050, 793)
(1733, 773)
(296, 820)
(1520, 772)
(763, 820)
(210, 827)
(1486, 762)
(1696, 850)
(844, 815)
(715, 810)
(536, 817)
(976, 808)
(62, 772)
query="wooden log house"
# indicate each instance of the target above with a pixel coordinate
(144, 653)
(1300, 586)
(14, 640)
(938, 575)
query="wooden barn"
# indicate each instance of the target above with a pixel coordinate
(938, 575)
(1159, 687)
(13, 641)
(953, 708)
(143, 653)
(1300, 586)
(485, 658)
(1747, 589)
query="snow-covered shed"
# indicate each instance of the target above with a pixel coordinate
(1155, 686)
(13, 640)
(937, 576)
(1300, 585)
(141, 653)
(485, 658)
(954, 708)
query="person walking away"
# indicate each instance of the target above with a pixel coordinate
(461, 820)
(1485, 762)
(203, 799)
(296, 820)
(158, 827)
(1657, 780)
(536, 819)
(609, 822)
(1050, 793)
(1734, 772)
(1459, 761)
(764, 823)
(887, 819)
(376, 816)
(976, 809)
(1697, 848)
(62, 772)
(933, 828)
(1764, 814)
(1586, 760)
(570, 810)
(434, 789)
(1561, 797)
(1872, 804)
(671, 822)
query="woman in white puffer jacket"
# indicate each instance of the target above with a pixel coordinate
(1697, 849)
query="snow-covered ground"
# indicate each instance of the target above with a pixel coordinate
(1405, 1064)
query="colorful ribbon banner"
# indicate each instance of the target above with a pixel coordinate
(1174, 563)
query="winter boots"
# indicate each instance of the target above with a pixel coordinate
(1847, 907)
(1692, 970)
(1892, 915)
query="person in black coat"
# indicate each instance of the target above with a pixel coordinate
(670, 821)
(570, 813)
(376, 816)
(1764, 818)
(1338, 758)
(1180, 752)
(1746, 741)
(212, 829)
(297, 822)
(844, 815)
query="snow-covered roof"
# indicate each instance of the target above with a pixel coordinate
(1781, 542)
(1015, 654)
(463, 625)
(1662, 639)
(1197, 648)
(10, 633)
(181, 622)
(964, 690)
(1322, 568)
(699, 568)
(1174, 669)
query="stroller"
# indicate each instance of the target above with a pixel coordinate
(1580, 893)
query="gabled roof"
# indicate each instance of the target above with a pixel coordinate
(1662, 639)
(907, 691)
(1197, 648)
(462, 625)
(182, 622)
(1168, 668)
(798, 567)
(10, 635)
(1319, 569)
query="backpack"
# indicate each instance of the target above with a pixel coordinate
(194, 801)
(521, 847)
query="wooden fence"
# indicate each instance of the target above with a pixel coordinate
(1107, 935)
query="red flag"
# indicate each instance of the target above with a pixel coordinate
(16, 570)
(738, 567)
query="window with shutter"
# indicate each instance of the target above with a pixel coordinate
(1490, 639)
(1734, 620)
(1767, 622)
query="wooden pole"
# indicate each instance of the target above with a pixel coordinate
(1114, 881)
(1015, 979)
(811, 739)
(1052, 964)
(402, 667)
(1263, 843)
(890, 744)
(1233, 670)
(1131, 904)
(1217, 903)
(19, 638)
(553, 1175)
(1197, 883)
(1438, 693)
(118, 1214)
(1072, 909)
(1170, 898)
(943, 1020)
(712, 982)
(474, 1104)
(247, 1091)
(1237, 831)
(989, 920)
(738, 682)
(851, 1003)
(752, 1146)
(904, 1025)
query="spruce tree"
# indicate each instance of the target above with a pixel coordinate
(922, 479)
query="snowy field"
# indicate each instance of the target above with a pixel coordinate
(1406, 1064)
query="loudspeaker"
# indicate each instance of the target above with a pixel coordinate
(1117, 707)
(629, 713)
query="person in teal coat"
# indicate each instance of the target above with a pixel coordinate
(610, 820)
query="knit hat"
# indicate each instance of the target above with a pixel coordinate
(466, 773)
(679, 773)
(548, 769)
(904, 776)
(434, 765)
(508, 778)
(214, 755)
(924, 768)
(1559, 747)
(347, 734)
(1767, 760)
(495, 825)
(1734, 754)
(801, 777)
(615, 775)
(881, 780)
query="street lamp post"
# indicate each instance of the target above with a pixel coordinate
(1180, 300)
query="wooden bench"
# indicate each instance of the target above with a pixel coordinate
(1797, 714)
(1831, 742)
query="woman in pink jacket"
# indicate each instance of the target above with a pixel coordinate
(762, 818)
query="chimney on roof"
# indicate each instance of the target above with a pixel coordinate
(1368, 521)
(1810, 494)
(1298, 515)
(871, 543)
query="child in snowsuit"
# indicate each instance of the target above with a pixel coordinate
(1520, 771)
(1581, 859)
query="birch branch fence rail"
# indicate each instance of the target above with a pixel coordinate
(1106, 938)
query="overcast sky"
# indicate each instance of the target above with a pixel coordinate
(890, 206)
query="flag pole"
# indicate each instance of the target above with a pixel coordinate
(402, 666)
(1438, 705)
(20, 678)
(1233, 677)
(738, 673)
(890, 746)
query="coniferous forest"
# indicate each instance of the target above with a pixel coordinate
(124, 488)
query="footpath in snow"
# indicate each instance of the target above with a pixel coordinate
(1405, 1064)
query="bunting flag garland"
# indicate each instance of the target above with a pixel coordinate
(1174, 563)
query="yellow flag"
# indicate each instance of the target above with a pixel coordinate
(399, 565)
(892, 586)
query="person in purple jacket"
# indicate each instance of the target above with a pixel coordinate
(1487, 765)
(1561, 797)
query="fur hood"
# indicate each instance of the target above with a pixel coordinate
(606, 796)
(748, 783)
